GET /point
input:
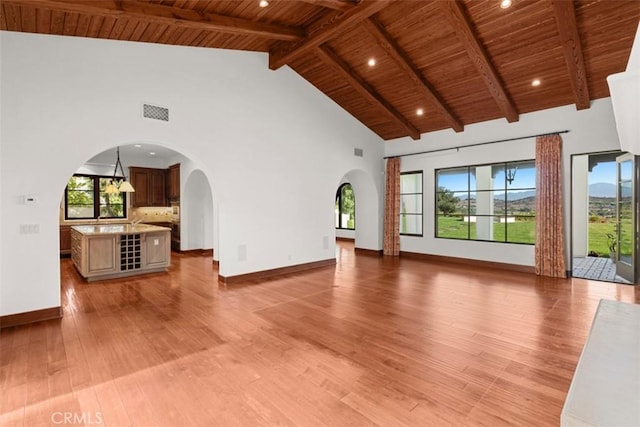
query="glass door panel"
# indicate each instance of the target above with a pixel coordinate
(626, 218)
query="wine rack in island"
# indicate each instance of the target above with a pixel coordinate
(130, 252)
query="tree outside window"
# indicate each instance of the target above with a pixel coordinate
(85, 199)
(345, 209)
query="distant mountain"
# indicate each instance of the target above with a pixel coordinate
(512, 196)
(602, 189)
(519, 195)
(599, 189)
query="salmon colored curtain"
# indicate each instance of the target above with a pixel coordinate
(549, 221)
(391, 244)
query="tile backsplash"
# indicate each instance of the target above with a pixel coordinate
(150, 214)
(146, 214)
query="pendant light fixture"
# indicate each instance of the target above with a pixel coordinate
(125, 186)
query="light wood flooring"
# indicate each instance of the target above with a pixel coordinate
(373, 341)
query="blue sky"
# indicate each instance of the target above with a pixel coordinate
(525, 178)
(603, 172)
(457, 180)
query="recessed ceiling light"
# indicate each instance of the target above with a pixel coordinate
(138, 146)
(504, 4)
(371, 62)
(263, 3)
(153, 153)
(535, 82)
(419, 111)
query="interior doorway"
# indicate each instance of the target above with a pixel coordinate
(183, 202)
(595, 230)
(345, 212)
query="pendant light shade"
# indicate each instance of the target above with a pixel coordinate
(111, 189)
(125, 186)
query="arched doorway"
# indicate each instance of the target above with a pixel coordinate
(197, 213)
(368, 227)
(193, 186)
(345, 212)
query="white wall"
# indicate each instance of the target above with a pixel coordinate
(625, 93)
(269, 143)
(591, 130)
(580, 206)
(196, 212)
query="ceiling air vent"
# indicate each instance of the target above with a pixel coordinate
(358, 152)
(154, 112)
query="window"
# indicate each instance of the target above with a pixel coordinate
(85, 199)
(345, 208)
(487, 202)
(411, 203)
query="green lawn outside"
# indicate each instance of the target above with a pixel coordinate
(598, 237)
(518, 232)
(454, 227)
(599, 243)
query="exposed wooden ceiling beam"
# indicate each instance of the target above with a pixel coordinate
(570, 38)
(389, 45)
(332, 4)
(324, 30)
(149, 12)
(359, 84)
(462, 25)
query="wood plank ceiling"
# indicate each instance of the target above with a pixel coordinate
(456, 61)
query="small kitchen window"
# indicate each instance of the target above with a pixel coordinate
(85, 198)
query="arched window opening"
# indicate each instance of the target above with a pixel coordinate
(345, 211)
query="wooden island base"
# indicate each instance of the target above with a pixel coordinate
(113, 251)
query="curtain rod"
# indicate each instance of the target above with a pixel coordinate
(477, 144)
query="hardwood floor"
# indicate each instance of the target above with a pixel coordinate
(371, 341)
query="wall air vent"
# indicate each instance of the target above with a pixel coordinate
(358, 152)
(154, 112)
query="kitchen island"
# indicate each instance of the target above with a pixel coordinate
(118, 250)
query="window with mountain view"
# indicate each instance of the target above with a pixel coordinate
(493, 202)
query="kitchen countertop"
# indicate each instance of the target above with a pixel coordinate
(118, 229)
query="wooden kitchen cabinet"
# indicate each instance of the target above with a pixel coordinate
(65, 240)
(150, 188)
(157, 187)
(95, 255)
(173, 183)
(140, 182)
(157, 252)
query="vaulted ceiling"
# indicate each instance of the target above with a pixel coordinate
(438, 64)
